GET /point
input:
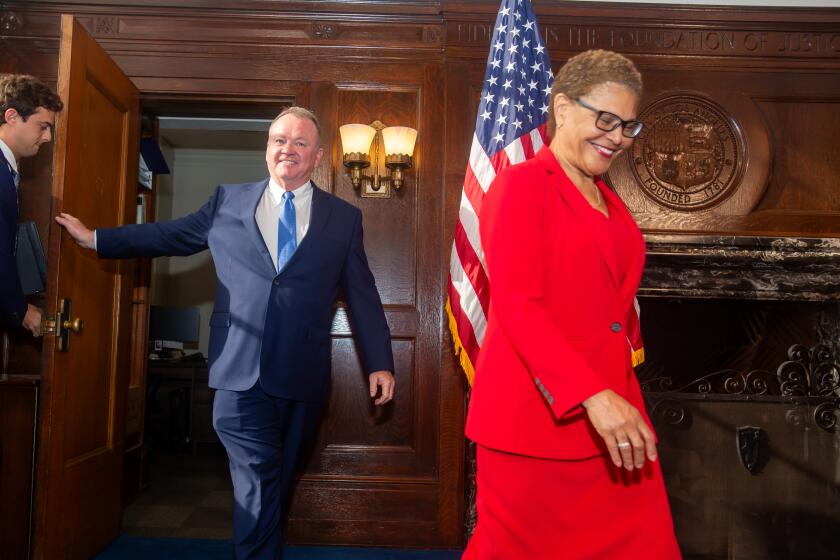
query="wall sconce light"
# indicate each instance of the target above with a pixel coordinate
(395, 142)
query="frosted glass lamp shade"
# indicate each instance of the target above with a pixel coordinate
(356, 138)
(399, 140)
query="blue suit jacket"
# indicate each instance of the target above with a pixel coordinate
(12, 303)
(269, 326)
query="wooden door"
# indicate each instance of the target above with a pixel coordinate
(83, 408)
(390, 476)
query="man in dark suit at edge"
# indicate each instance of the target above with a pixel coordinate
(282, 248)
(27, 118)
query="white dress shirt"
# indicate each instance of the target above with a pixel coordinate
(10, 157)
(268, 214)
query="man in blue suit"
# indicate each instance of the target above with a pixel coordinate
(27, 117)
(282, 249)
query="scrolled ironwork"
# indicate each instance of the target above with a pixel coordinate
(735, 385)
(809, 372)
(810, 377)
(793, 379)
(826, 378)
(728, 381)
(758, 382)
(672, 412)
(825, 416)
(822, 353)
(826, 370)
(658, 384)
(797, 353)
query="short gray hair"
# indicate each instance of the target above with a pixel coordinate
(589, 69)
(301, 113)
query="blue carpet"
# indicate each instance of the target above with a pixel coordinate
(141, 548)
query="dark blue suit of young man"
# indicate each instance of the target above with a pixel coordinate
(269, 349)
(12, 302)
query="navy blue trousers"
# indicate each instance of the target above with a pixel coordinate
(265, 438)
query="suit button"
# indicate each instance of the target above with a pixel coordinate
(276, 282)
(615, 327)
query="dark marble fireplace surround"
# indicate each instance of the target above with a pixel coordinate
(742, 337)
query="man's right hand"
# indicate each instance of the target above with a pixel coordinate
(77, 230)
(32, 320)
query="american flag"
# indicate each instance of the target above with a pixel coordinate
(509, 128)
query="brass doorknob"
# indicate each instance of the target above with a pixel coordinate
(75, 325)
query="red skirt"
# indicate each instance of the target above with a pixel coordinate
(544, 509)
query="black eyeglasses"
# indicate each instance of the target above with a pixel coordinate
(608, 122)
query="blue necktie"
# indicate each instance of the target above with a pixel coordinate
(286, 231)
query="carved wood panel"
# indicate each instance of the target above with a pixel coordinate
(755, 90)
(784, 188)
(807, 152)
(398, 444)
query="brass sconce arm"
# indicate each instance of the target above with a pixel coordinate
(397, 163)
(356, 162)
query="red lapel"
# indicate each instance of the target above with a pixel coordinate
(619, 211)
(583, 210)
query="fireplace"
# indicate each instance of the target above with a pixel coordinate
(742, 383)
(742, 338)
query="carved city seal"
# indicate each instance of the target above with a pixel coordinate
(690, 155)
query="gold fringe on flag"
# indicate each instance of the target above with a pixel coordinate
(466, 364)
(638, 356)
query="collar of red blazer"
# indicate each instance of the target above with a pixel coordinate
(588, 215)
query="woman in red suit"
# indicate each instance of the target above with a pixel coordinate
(566, 456)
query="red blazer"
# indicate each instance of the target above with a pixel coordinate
(556, 327)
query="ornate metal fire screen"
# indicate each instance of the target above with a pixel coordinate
(809, 376)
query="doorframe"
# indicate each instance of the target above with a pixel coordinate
(155, 105)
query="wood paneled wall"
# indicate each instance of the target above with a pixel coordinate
(395, 477)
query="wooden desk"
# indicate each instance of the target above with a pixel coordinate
(172, 381)
(18, 418)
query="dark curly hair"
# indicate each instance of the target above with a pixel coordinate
(589, 69)
(25, 94)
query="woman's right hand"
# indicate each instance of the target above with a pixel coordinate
(627, 435)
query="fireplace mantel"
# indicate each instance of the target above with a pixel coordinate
(758, 268)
